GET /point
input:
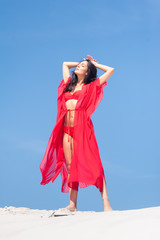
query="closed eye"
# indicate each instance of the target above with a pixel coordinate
(81, 65)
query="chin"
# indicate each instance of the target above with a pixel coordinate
(77, 74)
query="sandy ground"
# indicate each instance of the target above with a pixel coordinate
(24, 223)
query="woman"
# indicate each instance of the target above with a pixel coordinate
(72, 149)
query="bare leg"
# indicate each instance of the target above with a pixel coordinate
(73, 199)
(68, 151)
(106, 204)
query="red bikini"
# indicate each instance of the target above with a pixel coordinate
(67, 96)
(75, 95)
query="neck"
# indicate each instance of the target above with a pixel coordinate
(80, 80)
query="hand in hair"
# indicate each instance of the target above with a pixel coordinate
(92, 59)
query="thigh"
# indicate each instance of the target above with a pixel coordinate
(67, 148)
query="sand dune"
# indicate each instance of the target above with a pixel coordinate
(24, 223)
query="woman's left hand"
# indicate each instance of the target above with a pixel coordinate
(92, 59)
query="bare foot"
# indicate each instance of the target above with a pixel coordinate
(71, 208)
(106, 209)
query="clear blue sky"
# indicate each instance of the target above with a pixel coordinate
(35, 38)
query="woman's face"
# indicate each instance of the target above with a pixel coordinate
(81, 68)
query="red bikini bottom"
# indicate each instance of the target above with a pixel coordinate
(69, 131)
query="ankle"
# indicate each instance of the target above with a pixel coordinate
(71, 208)
(72, 205)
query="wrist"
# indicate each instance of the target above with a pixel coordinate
(95, 63)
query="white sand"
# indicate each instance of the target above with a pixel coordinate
(24, 223)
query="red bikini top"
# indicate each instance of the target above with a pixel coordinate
(75, 95)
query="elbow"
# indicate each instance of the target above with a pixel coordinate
(65, 63)
(112, 70)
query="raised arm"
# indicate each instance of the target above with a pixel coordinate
(66, 67)
(108, 70)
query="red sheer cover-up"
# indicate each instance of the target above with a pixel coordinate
(86, 166)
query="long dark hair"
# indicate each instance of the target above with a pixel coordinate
(90, 77)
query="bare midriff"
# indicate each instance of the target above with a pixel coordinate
(69, 117)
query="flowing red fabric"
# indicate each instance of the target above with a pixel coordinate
(86, 166)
